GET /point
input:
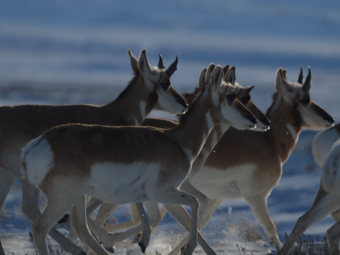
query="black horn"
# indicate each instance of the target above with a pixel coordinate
(172, 68)
(300, 79)
(308, 82)
(161, 63)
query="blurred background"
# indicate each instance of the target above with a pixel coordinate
(63, 52)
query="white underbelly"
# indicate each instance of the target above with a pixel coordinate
(119, 183)
(224, 184)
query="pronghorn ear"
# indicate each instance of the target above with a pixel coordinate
(280, 81)
(308, 82)
(209, 72)
(230, 77)
(201, 82)
(216, 77)
(133, 61)
(144, 66)
(249, 89)
(225, 70)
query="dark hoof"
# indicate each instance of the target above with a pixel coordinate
(142, 247)
(64, 219)
(82, 253)
(110, 249)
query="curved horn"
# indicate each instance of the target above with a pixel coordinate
(308, 82)
(172, 68)
(161, 63)
(300, 79)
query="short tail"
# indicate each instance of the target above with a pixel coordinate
(25, 151)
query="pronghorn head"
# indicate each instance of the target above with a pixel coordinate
(231, 111)
(157, 80)
(296, 97)
(243, 94)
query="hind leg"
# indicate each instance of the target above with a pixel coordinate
(333, 238)
(31, 209)
(79, 225)
(56, 208)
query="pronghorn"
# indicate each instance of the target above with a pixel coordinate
(150, 88)
(125, 164)
(253, 177)
(242, 94)
(326, 151)
(228, 174)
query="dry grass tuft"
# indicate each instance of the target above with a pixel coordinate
(306, 245)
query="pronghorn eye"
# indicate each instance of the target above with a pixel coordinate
(231, 97)
(165, 85)
(305, 101)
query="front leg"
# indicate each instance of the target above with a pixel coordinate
(209, 208)
(176, 197)
(323, 204)
(259, 209)
(144, 243)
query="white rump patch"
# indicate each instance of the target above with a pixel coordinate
(39, 160)
(323, 143)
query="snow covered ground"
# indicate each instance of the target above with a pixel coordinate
(71, 52)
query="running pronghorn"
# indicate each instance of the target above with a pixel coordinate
(149, 89)
(262, 125)
(127, 164)
(229, 174)
(326, 151)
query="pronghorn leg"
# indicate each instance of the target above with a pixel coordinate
(133, 223)
(336, 215)
(154, 214)
(31, 209)
(323, 204)
(333, 237)
(183, 217)
(2, 252)
(79, 224)
(177, 197)
(6, 181)
(144, 243)
(56, 208)
(209, 209)
(104, 212)
(101, 234)
(92, 205)
(150, 206)
(259, 209)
